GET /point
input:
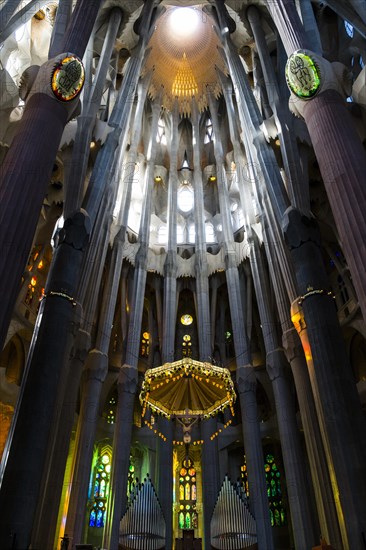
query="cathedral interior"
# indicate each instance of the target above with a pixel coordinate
(183, 267)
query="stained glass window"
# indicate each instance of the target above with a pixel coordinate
(101, 478)
(349, 29)
(131, 476)
(209, 136)
(145, 341)
(274, 490)
(160, 136)
(187, 517)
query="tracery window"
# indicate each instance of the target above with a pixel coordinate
(274, 489)
(209, 136)
(145, 347)
(349, 29)
(100, 486)
(160, 136)
(187, 515)
(131, 476)
(191, 234)
(185, 197)
(210, 233)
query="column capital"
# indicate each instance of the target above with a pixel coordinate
(276, 364)
(309, 74)
(81, 345)
(245, 379)
(76, 230)
(127, 379)
(96, 365)
(299, 229)
(291, 341)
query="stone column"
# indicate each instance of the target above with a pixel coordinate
(282, 117)
(339, 151)
(295, 355)
(210, 464)
(298, 496)
(27, 443)
(28, 163)
(165, 448)
(324, 498)
(86, 121)
(127, 378)
(338, 406)
(62, 19)
(245, 376)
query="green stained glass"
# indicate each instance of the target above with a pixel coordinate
(181, 520)
(188, 520)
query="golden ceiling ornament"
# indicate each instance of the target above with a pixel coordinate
(185, 63)
(184, 84)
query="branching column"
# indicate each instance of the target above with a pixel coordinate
(28, 164)
(338, 406)
(97, 362)
(339, 151)
(127, 378)
(165, 448)
(299, 497)
(210, 466)
(245, 376)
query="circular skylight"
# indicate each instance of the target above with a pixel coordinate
(184, 21)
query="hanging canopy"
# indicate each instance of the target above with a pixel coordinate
(187, 388)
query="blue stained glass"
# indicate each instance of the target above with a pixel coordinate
(92, 518)
(349, 29)
(100, 522)
(96, 488)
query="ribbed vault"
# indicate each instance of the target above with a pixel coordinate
(184, 57)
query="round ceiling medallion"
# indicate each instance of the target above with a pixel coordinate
(68, 78)
(302, 75)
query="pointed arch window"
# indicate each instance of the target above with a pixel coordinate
(210, 233)
(274, 489)
(185, 197)
(160, 136)
(100, 486)
(209, 135)
(187, 515)
(191, 234)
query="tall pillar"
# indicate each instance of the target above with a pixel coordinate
(282, 116)
(24, 458)
(27, 167)
(298, 496)
(338, 406)
(127, 378)
(245, 375)
(210, 464)
(338, 149)
(165, 448)
(295, 355)
(324, 497)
